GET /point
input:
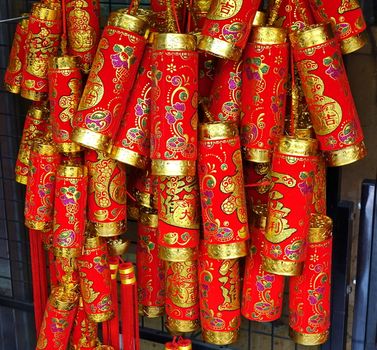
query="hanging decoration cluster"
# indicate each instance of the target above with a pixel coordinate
(221, 117)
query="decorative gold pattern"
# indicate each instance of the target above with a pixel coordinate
(220, 338)
(45, 11)
(173, 167)
(174, 42)
(320, 228)
(149, 219)
(67, 252)
(109, 229)
(38, 225)
(43, 148)
(217, 131)
(227, 251)
(346, 155)
(308, 339)
(177, 254)
(294, 146)
(101, 317)
(21, 179)
(117, 246)
(33, 95)
(283, 268)
(153, 311)
(63, 299)
(181, 326)
(90, 139)
(256, 155)
(129, 157)
(353, 43)
(64, 62)
(268, 35)
(219, 48)
(130, 23)
(72, 171)
(69, 147)
(313, 35)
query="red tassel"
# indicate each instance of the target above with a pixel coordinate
(129, 310)
(113, 324)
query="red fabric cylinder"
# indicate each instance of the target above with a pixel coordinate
(65, 87)
(174, 105)
(225, 96)
(328, 94)
(40, 190)
(95, 280)
(319, 189)
(150, 268)
(224, 211)
(17, 56)
(182, 300)
(289, 205)
(113, 324)
(35, 126)
(107, 194)
(70, 210)
(114, 70)
(262, 295)
(178, 218)
(220, 302)
(66, 271)
(309, 294)
(58, 320)
(84, 332)
(264, 93)
(227, 27)
(132, 143)
(206, 70)
(348, 20)
(42, 42)
(83, 29)
(295, 14)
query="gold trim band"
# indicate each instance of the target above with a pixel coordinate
(72, 171)
(38, 225)
(268, 35)
(14, 89)
(177, 254)
(109, 229)
(219, 48)
(144, 199)
(162, 167)
(227, 250)
(64, 62)
(313, 35)
(153, 311)
(220, 338)
(64, 300)
(217, 131)
(43, 148)
(283, 268)
(294, 146)
(101, 317)
(308, 339)
(320, 228)
(67, 252)
(174, 42)
(122, 19)
(69, 147)
(148, 219)
(353, 43)
(127, 156)
(181, 326)
(33, 95)
(256, 155)
(21, 179)
(346, 155)
(91, 139)
(45, 11)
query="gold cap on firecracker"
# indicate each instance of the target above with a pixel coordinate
(268, 35)
(124, 20)
(313, 35)
(346, 155)
(308, 339)
(219, 337)
(295, 146)
(181, 326)
(64, 62)
(217, 131)
(281, 267)
(353, 43)
(320, 228)
(117, 246)
(219, 48)
(174, 42)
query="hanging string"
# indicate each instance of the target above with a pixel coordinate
(259, 184)
(191, 16)
(131, 196)
(64, 42)
(134, 6)
(274, 13)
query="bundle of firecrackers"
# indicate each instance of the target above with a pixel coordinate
(210, 123)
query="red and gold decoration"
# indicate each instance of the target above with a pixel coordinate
(262, 296)
(95, 280)
(309, 294)
(174, 94)
(65, 88)
(106, 194)
(348, 21)
(17, 58)
(295, 14)
(224, 211)
(227, 27)
(83, 28)
(113, 71)
(220, 299)
(182, 299)
(70, 210)
(264, 79)
(42, 43)
(328, 94)
(178, 218)
(150, 268)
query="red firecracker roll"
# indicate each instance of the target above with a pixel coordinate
(110, 81)
(42, 42)
(17, 56)
(227, 27)
(150, 268)
(70, 210)
(224, 211)
(182, 300)
(289, 205)
(206, 71)
(83, 26)
(65, 87)
(328, 94)
(40, 190)
(58, 320)
(262, 296)
(220, 300)
(95, 280)
(66, 271)
(132, 143)
(309, 294)
(178, 218)
(295, 14)
(174, 102)
(319, 190)
(106, 194)
(264, 93)
(348, 20)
